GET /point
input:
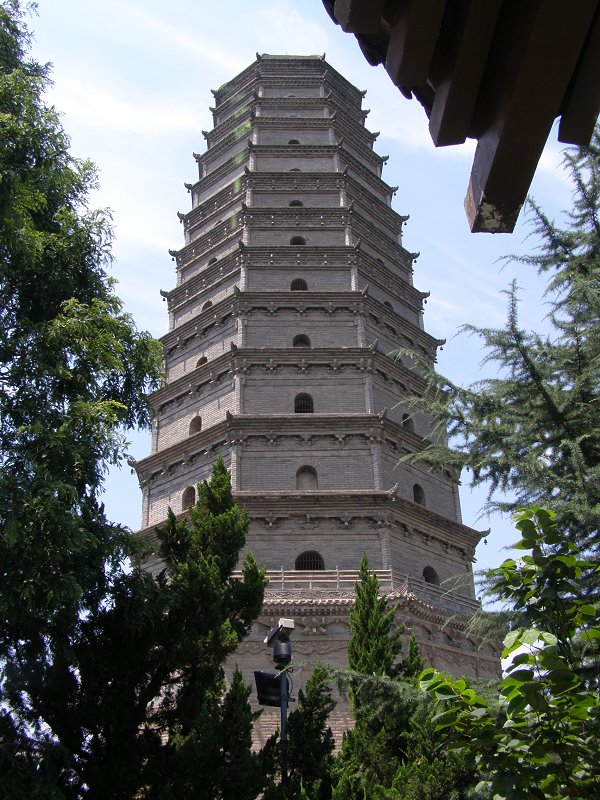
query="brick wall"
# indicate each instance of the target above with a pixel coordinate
(279, 330)
(283, 163)
(269, 279)
(282, 199)
(274, 468)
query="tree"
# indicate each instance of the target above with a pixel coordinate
(392, 752)
(310, 740)
(203, 613)
(376, 641)
(533, 429)
(544, 743)
(109, 675)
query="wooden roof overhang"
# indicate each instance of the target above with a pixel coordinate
(499, 71)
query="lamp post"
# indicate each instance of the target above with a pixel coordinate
(272, 688)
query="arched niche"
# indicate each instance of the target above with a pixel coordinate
(188, 498)
(301, 340)
(306, 479)
(431, 576)
(195, 425)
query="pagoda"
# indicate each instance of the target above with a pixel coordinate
(294, 296)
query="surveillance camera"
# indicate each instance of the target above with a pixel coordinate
(285, 626)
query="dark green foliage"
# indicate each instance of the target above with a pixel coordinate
(413, 663)
(376, 641)
(111, 679)
(533, 430)
(393, 751)
(137, 698)
(310, 740)
(547, 748)
(212, 758)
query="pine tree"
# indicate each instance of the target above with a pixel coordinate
(532, 431)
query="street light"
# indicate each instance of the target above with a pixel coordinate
(272, 688)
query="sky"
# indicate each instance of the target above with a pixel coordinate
(132, 79)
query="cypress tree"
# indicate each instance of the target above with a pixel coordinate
(310, 740)
(393, 751)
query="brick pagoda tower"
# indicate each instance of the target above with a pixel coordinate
(293, 292)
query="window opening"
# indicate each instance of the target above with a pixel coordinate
(303, 404)
(301, 340)
(407, 422)
(431, 576)
(298, 285)
(297, 240)
(418, 494)
(310, 561)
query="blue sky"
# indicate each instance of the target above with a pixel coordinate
(133, 80)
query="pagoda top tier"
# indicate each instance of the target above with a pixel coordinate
(288, 70)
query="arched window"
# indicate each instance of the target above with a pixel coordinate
(418, 494)
(310, 561)
(431, 576)
(212, 261)
(306, 479)
(407, 422)
(201, 361)
(301, 340)
(297, 240)
(206, 305)
(298, 285)
(380, 262)
(295, 169)
(303, 404)
(293, 141)
(188, 498)
(296, 203)
(195, 425)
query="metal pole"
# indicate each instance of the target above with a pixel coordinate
(283, 694)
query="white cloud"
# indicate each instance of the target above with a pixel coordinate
(108, 108)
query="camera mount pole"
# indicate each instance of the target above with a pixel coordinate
(283, 687)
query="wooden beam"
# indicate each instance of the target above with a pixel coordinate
(413, 38)
(581, 105)
(458, 66)
(355, 16)
(527, 77)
